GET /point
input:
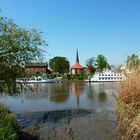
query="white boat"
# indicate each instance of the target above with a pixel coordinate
(106, 76)
(40, 80)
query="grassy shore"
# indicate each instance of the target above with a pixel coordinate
(8, 125)
(128, 107)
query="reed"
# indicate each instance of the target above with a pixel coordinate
(128, 107)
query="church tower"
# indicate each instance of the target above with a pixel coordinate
(77, 68)
(77, 57)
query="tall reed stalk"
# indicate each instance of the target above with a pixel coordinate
(128, 107)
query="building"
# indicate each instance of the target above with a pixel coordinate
(120, 68)
(37, 68)
(77, 68)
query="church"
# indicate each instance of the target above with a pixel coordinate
(77, 68)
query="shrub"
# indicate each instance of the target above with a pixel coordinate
(8, 125)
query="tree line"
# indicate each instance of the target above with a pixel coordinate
(62, 65)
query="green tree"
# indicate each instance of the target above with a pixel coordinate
(90, 64)
(101, 62)
(18, 46)
(59, 64)
(133, 61)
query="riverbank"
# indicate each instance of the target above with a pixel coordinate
(128, 107)
(63, 76)
(9, 127)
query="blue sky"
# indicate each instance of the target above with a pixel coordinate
(108, 27)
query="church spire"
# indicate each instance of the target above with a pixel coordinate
(77, 57)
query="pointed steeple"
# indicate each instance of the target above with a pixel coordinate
(77, 57)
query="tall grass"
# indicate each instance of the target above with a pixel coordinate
(128, 107)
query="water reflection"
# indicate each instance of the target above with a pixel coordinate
(69, 94)
(102, 96)
(90, 92)
(77, 88)
(59, 93)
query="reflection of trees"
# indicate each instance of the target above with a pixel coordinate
(102, 96)
(90, 92)
(59, 93)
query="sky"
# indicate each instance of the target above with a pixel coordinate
(107, 27)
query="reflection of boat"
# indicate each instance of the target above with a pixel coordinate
(106, 76)
(40, 80)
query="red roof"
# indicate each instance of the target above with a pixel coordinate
(77, 66)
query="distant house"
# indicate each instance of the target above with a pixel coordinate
(37, 68)
(120, 68)
(77, 68)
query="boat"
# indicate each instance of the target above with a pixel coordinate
(106, 76)
(39, 80)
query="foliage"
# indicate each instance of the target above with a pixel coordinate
(133, 62)
(8, 125)
(90, 65)
(18, 46)
(59, 64)
(101, 62)
(76, 76)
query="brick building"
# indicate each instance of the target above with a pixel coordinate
(34, 68)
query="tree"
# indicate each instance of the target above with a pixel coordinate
(101, 62)
(133, 61)
(18, 46)
(59, 64)
(90, 64)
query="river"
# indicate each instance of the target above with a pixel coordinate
(71, 110)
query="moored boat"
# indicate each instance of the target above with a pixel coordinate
(39, 80)
(106, 76)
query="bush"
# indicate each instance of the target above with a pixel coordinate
(8, 125)
(76, 76)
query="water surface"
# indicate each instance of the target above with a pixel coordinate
(68, 110)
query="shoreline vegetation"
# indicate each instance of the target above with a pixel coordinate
(9, 128)
(64, 76)
(128, 107)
